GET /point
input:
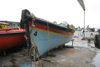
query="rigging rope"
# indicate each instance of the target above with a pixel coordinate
(48, 37)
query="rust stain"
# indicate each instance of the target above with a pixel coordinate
(69, 51)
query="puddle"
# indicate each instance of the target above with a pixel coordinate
(27, 64)
(96, 60)
(79, 44)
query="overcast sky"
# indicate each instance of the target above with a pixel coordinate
(53, 10)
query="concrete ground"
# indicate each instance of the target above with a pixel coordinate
(80, 56)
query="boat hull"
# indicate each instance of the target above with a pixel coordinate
(12, 38)
(48, 36)
(46, 41)
(43, 35)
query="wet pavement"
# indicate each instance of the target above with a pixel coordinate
(80, 56)
(96, 60)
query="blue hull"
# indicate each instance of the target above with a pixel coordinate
(46, 41)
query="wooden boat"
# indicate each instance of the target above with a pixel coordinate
(45, 35)
(11, 37)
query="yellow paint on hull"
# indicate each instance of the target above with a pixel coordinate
(53, 32)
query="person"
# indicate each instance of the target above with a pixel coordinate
(83, 33)
(91, 35)
(97, 39)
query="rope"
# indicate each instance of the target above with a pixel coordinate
(33, 52)
(48, 36)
